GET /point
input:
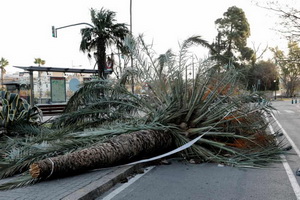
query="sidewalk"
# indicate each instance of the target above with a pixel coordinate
(84, 186)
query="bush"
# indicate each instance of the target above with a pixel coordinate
(15, 111)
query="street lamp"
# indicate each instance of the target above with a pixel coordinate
(275, 88)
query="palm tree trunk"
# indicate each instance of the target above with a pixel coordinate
(101, 54)
(118, 150)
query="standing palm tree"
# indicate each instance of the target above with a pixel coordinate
(104, 33)
(39, 62)
(3, 63)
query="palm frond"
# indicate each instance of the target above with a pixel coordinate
(211, 105)
(17, 182)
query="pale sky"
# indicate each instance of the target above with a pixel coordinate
(26, 26)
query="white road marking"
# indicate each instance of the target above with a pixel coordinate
(289, 111)
(291, 177)
(287, 136)
(127, 184)
(286, 165)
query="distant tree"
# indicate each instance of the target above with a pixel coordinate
(258, 52)
(263, 76)
(39, 62)
(104, 33)
(289, 25)
(3, 64)
(289, 66)
(230, 44)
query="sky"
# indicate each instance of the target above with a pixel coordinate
(26, 26)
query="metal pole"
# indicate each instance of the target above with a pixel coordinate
(186, 80)
(83, 23)
(275, 89)
(193, 72)
(54, 30)
(31, 88)
(130, 16)
(131, 59)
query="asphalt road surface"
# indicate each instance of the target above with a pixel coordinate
(182, 180)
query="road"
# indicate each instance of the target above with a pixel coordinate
(208, 181)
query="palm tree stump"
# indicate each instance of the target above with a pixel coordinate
(118, 150)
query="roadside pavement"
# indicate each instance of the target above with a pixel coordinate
(85, 186)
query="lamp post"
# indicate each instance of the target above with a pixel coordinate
(275, 89)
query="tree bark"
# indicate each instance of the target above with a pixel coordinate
(101, 62)
(118, 150)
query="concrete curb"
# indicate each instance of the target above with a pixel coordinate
(96, 188)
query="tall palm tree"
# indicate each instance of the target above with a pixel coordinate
(3, 63)
(104, 33)
(39, 62)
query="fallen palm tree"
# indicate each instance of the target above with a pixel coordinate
(118, 150)
(119, 127)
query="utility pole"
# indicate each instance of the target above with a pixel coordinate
(31, 88)
(131, 59)
(193, 72)
(275, 84)
(131, 17)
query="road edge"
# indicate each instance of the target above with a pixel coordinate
(98, 187)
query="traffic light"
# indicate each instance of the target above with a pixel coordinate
(54, 32)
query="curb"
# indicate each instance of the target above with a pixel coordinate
(96, 188)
